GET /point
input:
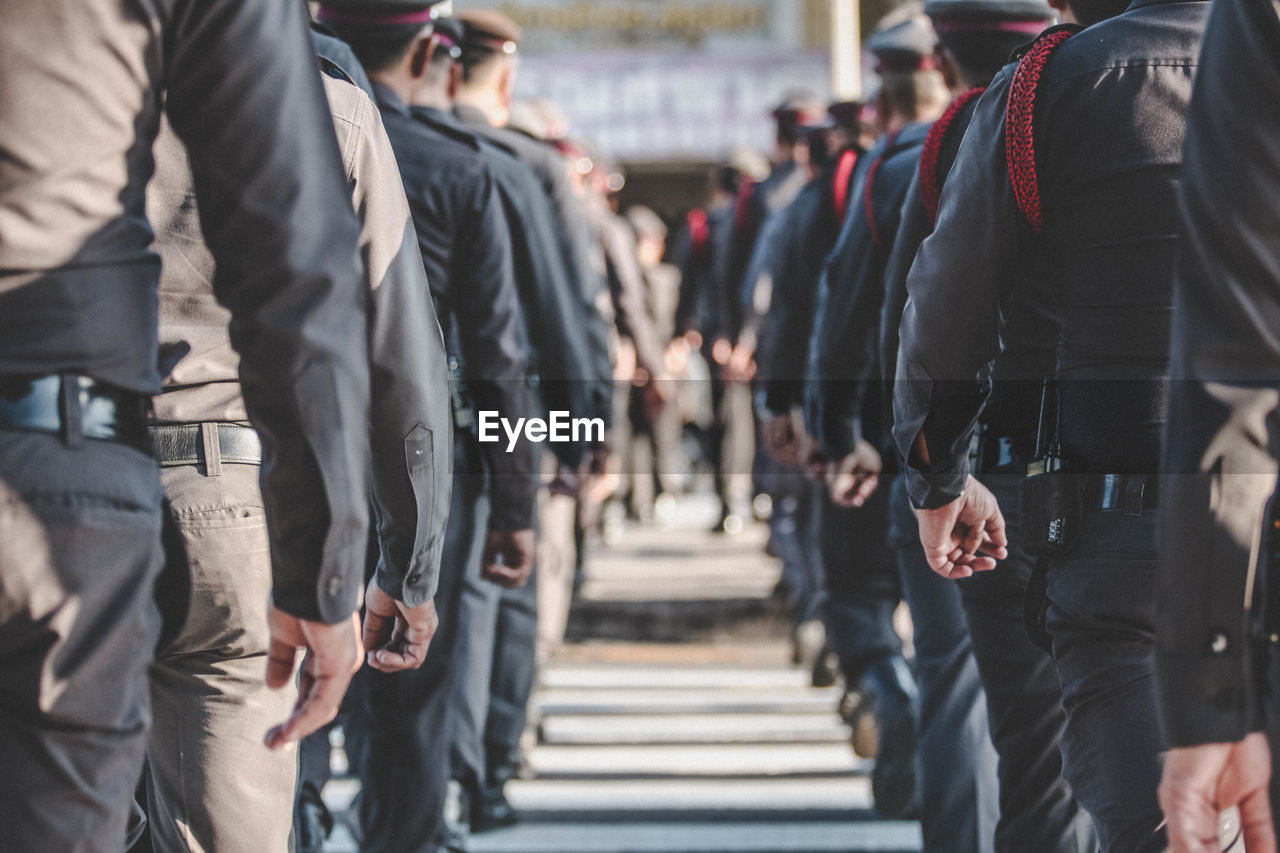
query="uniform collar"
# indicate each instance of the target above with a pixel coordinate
(1139, 4)
(468, 114)
(389, 99)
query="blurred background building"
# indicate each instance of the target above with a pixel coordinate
(669, 87)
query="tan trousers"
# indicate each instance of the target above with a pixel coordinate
(211, 784)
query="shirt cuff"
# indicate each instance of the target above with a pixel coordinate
(1206, 699)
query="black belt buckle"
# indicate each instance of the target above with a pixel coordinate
(74, 408)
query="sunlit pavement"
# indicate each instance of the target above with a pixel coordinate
(673, 721)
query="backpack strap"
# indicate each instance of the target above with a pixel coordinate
(840, 182)
(1020, 117)
(930, 177)
(868, 203)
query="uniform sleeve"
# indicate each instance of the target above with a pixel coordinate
(950, 329)
(411, 425)
(631, 295)
(493, 345)
(559, 322)
(846, 336)
(913, 228)
(1221, 457)
(786, 330)
(245, 96)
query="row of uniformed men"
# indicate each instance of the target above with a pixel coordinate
(968, 338)
(301, 371)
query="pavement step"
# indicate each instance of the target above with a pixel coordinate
(793, 837)
(693, 795)
(694, 728)
(673, 677)
(686, 701)
(695, 761)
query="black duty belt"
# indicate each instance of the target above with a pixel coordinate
(75, 408)
(183, 444)
(1131, 494)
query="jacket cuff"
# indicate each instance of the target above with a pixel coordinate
(936, 487)
(513, 503)
(1206, 699)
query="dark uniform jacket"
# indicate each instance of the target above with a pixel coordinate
(628, 290)
(556, 318)
(573, 243)
(744, 260)
(701, 253)
(1222, 444)
(812, 229)
(78, 280)
(1110, 114)
(842, 401)
(466, 248)
(410, 424)
(1029, 336)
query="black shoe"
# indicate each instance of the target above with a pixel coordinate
(826, 670)
(313, 821)
(457, 818)
(492, 810)
(894, 780)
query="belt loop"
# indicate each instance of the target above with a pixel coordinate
(212, 450)
(1134, 490)
(69, 400)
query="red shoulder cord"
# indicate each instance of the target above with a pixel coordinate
(867, 201)
(930, 178)
(699, 231)
(1019, 131)
(742, 205)
(840, 187)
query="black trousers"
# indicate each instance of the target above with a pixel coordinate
(80, 549)
(1038, 810)
(405, 717)
(862, 584)
(958, 788)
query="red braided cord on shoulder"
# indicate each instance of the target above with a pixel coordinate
(1019, 132)
(840, 187)
(868, 202)
(930, 178)
(699, 231)
(742, 204)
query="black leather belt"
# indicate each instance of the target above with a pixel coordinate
(991, 452)
(183, 444)
(74, 407)
(1131, 494)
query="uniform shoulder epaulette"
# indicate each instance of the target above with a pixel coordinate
(931, 178)
(453, 131)
(1020, 118)
(841, 183)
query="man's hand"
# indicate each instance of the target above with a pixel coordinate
(782, 438)
(955, 535)
(396, 636)
(508, 557)
(855, 478)
(333, 656)
(812, 459)
(1202, 782)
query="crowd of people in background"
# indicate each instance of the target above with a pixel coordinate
(937, 341)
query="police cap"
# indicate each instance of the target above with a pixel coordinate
(1022, 16)
(489, 29)
(382, 13)
(904, 46)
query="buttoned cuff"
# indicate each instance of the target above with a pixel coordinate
(936, 486)
(1206, 699)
